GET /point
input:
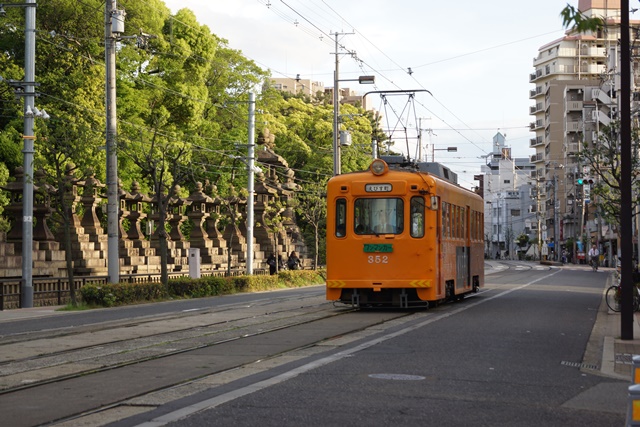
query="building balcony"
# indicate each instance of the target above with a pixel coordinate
(574, 105)
(534, 142)
(539, 157)
(538, 124)
(536, 75)
(595, 69)
(572, 149)
(535, 92)
(535, 108)
(593, 52)
(573, 126)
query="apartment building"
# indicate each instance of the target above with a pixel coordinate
(576, 92)
(298, 85)
(313, 88)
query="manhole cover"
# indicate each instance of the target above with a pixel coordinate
(399, 377)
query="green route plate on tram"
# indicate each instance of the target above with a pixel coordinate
(378, 247)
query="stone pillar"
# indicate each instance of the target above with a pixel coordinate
(42, 208)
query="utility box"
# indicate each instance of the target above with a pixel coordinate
(194, 263)
(345, 138)
(117, 21)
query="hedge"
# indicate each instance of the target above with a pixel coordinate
(184, 287)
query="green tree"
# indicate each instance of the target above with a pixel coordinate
(572, 17)
(523, 239)
(311, 207)
(604, 162)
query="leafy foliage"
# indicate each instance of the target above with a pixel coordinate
(181, 102)
(111, 295)
(311, 207)
(604, 161)
(580, 22)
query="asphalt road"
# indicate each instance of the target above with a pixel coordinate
(511, 355)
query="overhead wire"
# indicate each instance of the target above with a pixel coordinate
(457, 130)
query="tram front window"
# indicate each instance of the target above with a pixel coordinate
(378, 216)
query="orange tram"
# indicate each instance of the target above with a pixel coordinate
(402, 235)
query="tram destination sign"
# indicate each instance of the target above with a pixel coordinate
(378, 188)
(378, 247)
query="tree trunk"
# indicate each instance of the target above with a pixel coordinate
(162, 240)
(315, 263)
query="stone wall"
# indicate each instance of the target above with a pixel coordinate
(139, 244)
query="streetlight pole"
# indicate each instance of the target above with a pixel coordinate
(336, 109)
(250, 186)
(26, 291)
(336, 105)
(433, 151)
(114, 26)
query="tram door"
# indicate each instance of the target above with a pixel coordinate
(462, 266)
(463, 253)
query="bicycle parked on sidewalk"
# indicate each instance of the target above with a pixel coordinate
(614, 293)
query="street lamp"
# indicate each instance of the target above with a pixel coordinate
(336, 109)
(28, 92)
(449, 149)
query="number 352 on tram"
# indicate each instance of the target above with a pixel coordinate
(402, 235)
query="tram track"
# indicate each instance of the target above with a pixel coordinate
(51, 360)
(135, 320)
(125, 368)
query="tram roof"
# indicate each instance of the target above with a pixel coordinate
(434, 168)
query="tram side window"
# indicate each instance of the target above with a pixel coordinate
(474, 223)
(341, 217)
(455, 222)
(445, 219)
(463, 217)
(417, 216)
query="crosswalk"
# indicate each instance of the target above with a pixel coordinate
(497, 266)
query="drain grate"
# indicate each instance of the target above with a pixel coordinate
(579, 365)
(624, 358)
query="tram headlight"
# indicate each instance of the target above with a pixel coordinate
(378, 167)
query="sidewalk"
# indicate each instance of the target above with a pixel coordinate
(29, 313)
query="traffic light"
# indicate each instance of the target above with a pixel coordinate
(580, 181)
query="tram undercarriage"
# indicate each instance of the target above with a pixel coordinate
(402, 298)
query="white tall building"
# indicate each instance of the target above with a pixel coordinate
(508, 199)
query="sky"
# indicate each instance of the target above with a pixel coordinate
(474, 58)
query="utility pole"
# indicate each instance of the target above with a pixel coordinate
(626, 223)
(114, 26)
(539, 218)
(555, 217)
(250, 172)
(26, 288)
(336, 111)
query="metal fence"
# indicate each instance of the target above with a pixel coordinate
(49, 291)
